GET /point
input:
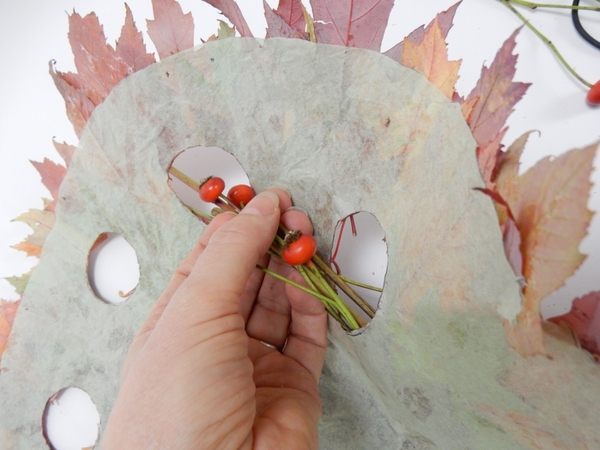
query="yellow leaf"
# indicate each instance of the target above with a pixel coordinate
(430, 57)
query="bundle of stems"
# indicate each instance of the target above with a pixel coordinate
(320, 279)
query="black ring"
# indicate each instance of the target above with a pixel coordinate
(582, 32)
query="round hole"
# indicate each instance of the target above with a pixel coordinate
(360, 254)
(199, 163)
(113, 270)
(70, 420)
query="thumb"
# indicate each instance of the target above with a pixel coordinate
(218, 279)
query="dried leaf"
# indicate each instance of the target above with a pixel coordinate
(487, 158)
(52, 175)
(497, 94)
(65, 150)
(231, 10)
(41, 222)
(291, 11)
(444, 21)
(430, 57)
(20, 282)
(224, 31)
(278, 27)
(130, 47)
(511, 236)
(584, 321)
(8, 311)
(352, 23)
(98, 68)
(79, 106)
(171, 30)
(549, 203)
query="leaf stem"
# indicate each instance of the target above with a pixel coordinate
(368, 310)
(533, 5)
(359, 284)
(547, 41)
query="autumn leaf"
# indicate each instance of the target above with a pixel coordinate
(130, 46)
(487, 158)
(430, 57)
(278, 27)
(444, 22)
(41, 223)
(52, 175)
(65, 151)
(584, 321)
(497, 94)
(79, 106)
(8, 311)
(98, 68)
(511, 237)
(549, 204)
(291, 11)
(351, 23)
(231, 10)
(171, 30)
(223, 32)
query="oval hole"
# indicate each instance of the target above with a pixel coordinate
(360, 253)
(199, 163)
(70, 420)
(113, 269)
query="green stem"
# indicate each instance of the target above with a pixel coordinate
(368, 310)
(340, 304)
(547, 41)
(199, 213)
(328, 307)
(184, 178)
(359, 284)
(533, 5)
(293, 283)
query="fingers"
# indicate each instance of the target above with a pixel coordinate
(183, 271)
(178, 278)
(269, 320)
(217, 281)
(307, 340)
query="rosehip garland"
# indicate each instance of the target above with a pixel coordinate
(293, 247)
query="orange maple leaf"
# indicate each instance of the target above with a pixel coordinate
(549, 203)
(430, 57)
(8, 311)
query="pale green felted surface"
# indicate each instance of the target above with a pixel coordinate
(344, 130)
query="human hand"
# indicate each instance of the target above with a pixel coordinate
(198, 376)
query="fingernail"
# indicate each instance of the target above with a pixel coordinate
(284, 190)
(264, 204)
(296, 208)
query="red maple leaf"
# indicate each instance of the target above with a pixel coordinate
(584, 321)
(352, 23)
(171, 30)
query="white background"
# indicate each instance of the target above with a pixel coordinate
(32, 32)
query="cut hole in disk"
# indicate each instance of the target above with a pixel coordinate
(113, 270)
(199, 163)
(70, 420)
(360, 255)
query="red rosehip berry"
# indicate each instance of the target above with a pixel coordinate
(300, 251)
(211, 188)
(240, 195)
(593, 95)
